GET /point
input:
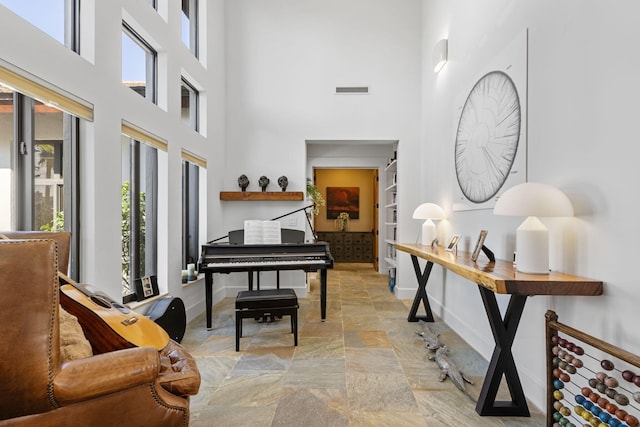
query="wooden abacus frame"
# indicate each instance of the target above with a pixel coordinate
(552, 329)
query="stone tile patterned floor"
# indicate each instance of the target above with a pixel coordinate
(364, 366)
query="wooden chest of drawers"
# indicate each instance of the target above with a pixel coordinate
(348, 246)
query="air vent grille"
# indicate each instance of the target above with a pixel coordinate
(352, 89)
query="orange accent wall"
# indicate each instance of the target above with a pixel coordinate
(362, 178)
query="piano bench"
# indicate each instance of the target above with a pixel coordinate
(274, 302)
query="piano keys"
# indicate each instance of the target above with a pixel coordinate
(229, 258)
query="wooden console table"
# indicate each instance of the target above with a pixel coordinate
(499, 277)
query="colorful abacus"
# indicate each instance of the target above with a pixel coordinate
(585, 390)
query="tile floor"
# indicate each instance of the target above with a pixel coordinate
(363, 366)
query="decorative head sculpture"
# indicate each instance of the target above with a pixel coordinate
(283, 181)
(243, 182)
(263, 182)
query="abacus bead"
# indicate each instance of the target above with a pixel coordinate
(602, 402)
(611, 382)
(562, 364)
(604, 417)
(562, 354)
(611, 408)
(565, 411)
(569, 358)
(614, 422)
(607, 365)
(636, 380)
(554, 339)
(579, 399)
(587, 405)
(555, 349)
(558, 384)
(556, 361)
(586, 391)
(621, 414)
(636, 396)
(557, 405)
(593, 397)
(557, 415)
(578, 363)
(621, 399)
(558, 395)
(628, 375)
(562, 342)
(570, 346)
(631, 420)
(601, 376)
(571, 369)
(601, 388)
(564, 377)
(612, 393)
(596, 411)
(593, 382)
(556, 372)
(578, 350)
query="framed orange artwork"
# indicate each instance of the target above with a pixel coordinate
(343, 199)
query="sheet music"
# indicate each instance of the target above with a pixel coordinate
(262, 232)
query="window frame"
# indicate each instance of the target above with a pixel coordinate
(194, 104)
(150, 184)
(151, 62)
(190, 213)
(191, 14)
(24, 143)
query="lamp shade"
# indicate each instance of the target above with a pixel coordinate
(428, 211)
(533, 199)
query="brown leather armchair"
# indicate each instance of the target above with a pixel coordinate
(118, 388)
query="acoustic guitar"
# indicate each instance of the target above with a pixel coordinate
(107, 324)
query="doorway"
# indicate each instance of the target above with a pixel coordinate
(349, 156)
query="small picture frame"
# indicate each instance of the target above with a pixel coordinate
(476, 251)
(452, 243)
(146, 287)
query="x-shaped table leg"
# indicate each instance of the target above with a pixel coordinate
(504, 332)
(421, 293)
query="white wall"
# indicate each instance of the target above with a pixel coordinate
(581, 110)
(284, 60)
(95, 76)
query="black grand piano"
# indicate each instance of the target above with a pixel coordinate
(238, 257)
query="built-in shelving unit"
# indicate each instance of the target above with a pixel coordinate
(391, 224)
(261, 195)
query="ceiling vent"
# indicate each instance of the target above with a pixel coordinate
(361, 90)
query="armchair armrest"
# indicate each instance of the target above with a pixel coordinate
(82, 379)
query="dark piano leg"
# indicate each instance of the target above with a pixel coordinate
(323, 294)
(208, 289)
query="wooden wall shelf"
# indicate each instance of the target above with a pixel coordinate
(261, 195)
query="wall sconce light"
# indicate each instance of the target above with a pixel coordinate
(533, 199)
(440, 54)
(428, 212)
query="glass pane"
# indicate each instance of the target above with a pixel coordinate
(186, 28)
(189, 105)
(6, 154)
(139, 230)
(134, 65)
(48, 15)
(48, 177)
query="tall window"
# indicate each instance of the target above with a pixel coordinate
(190, 213)
(190, 25)
(38, 167)
(189, 105)
(139, 64)
(57, 18)
(139, 212)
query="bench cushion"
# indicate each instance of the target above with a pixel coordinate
(266, 298)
